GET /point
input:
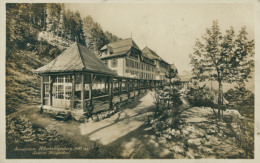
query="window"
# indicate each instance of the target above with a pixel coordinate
(59, 79)
(138, 65)
(68, 90)
(105, 62)
(127, 62)
(60, 91)
(67, 79)
(134, 53)
(136, 73)
(132, 63)
(142, 66)
(114, 63)
(45, 78)
(47, 90)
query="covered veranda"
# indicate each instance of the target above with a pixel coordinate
(77, 80)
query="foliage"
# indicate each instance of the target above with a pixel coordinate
(17, 30)
(54, 51)
(200, 96)
(243, 130)
(169, 107)
(223, 58)
(95, 37)
(20, 133)
(241, 99)
(171, 73)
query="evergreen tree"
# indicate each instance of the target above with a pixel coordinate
(223, 58)
(79, 28)
(53, 13)
(17, 29)
(111, 37)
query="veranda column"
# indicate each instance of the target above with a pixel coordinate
(112, 92)
(128, 90)
(109, 91)
(105, 85)
(82, 91)
(42, 91)
(50, 89)
(138, 87)
(90, 90)
(134, 87)
(120, 90)
(73, 91)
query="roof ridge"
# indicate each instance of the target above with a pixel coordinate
(95, 56)
(55, 59)
(77, 44)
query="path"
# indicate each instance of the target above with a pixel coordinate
(120, 124)
(127, 135)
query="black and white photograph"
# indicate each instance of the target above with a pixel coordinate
(130, 80)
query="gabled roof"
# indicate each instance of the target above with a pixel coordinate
(173, 66)
(120, 48)
(151, 54)
(76, 58)
(147, 52)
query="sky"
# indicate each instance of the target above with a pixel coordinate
(170, 29)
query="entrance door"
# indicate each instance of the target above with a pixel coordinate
(62, 88)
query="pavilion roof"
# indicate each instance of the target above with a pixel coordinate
(76, 58)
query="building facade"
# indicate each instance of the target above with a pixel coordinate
(126, 59)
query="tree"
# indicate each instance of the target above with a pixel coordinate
(224, 59)
(171, 74)
(94, 35)
(111, 37)
(241, 99)
(53, 14)
(79, 28)
(17, 27)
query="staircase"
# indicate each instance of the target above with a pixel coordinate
(62, 116)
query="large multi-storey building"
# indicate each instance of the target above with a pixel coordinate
(126, 59)
(162, 67)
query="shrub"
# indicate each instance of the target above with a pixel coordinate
(241, 99)
(200, 96)
(169, 107)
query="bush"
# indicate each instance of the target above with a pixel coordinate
(201, 96)
(241, 99)
(169, 106)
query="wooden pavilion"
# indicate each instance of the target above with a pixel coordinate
(77, 77)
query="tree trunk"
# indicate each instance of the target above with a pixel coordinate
(219, 96)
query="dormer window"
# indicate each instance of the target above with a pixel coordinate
(109, 50)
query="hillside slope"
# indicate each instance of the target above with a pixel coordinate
(22, 86)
